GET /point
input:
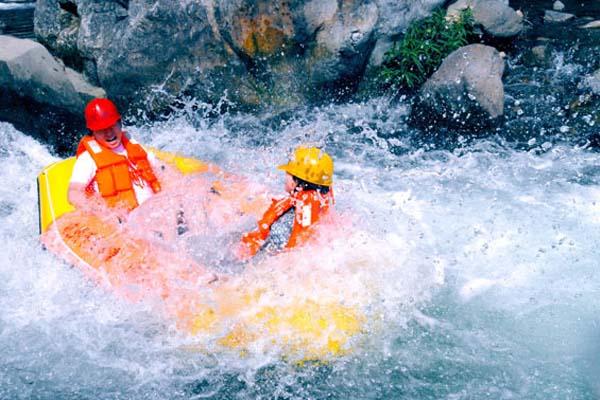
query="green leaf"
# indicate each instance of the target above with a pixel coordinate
(422, 49)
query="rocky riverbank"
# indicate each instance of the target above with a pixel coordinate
(258, 54)
(542, 82)
(551, 81)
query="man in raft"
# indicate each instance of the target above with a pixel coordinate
(121, 171)
(309, 176)
(110, 164)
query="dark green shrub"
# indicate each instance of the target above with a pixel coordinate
(423, 48)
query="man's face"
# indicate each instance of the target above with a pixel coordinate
(109, 137)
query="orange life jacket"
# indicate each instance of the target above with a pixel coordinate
(309, 206)
(116, 173)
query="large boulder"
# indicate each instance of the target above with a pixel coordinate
(147, 53)
(133, 49)
(296, 51)
(557, 17)
(40, 96)
(466, 92)
(29, 70)
(495, 17)
(343, 43)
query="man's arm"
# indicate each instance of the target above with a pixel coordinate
(93, 203)
(77, 195)
(82, 175)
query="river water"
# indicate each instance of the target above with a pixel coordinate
(491, 291)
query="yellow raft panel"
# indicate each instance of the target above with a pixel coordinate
(53, 184)
(308, 328)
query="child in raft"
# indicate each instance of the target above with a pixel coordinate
(309, 176)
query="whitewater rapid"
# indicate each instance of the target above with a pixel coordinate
(491, 289)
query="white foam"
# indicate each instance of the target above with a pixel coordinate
(490, 251)
(16, 6)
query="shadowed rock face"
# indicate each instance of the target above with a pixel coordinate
(282, 53)
(39, 95)
(27, 68)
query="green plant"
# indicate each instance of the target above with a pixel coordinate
(423, 48)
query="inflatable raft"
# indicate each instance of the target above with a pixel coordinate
(282, 302)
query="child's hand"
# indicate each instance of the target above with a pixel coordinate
(242, 252)
(250, 245)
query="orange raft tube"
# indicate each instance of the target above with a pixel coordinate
(274, 303)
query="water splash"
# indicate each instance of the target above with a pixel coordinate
(491, 289)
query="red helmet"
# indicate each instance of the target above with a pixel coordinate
(101, 114)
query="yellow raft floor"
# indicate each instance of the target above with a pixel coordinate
(279, 304)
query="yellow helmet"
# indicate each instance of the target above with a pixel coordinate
(311, 165)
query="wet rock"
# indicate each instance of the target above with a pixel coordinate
(57, 28)
(558, 6)
(494, 16)
(466, 92)
(27, 68)
(270, 43)
(557, 17)
(343, 45)
(538, 55)
(254, 53)
(394, 18)
(591, 25)
(540, 52)
(498, 19)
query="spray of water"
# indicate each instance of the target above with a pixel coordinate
(475, 268)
